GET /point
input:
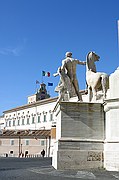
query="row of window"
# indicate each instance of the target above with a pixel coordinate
(27, 142)
(27, 121)
(23, 114)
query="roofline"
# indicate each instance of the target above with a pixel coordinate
(25, 134)
(41, 102)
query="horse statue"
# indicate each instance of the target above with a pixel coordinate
(95, 80)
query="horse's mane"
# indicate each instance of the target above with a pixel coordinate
(88, 61)
(90, 64)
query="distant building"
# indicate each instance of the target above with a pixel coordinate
(2, 122)
(31, 127)
(24, 143)
(29, 121)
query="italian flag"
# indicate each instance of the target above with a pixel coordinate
(45, 73)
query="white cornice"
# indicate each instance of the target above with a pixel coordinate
(41, 102)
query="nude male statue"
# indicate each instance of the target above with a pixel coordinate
(63, 85)
(69, 65)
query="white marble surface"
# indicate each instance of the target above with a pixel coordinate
(111, 108)
(114, 84)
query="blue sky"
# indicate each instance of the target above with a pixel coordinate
(35, 34)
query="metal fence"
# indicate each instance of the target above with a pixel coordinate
(22, 156)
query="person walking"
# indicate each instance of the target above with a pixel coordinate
(43, 153)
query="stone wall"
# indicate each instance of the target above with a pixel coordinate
(82, 120)
(77, 154)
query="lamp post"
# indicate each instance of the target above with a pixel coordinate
(21, 149)
(19, 145)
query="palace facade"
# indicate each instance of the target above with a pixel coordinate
(28, 129)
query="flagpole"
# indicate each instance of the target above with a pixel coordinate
(42, 77)
(36, 88)
(47, 88)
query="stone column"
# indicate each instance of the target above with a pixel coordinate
(111, 108)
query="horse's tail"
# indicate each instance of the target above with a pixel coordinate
(105, 80)
(105, 83)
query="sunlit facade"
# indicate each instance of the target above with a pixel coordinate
(23, 127)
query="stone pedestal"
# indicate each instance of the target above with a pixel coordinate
(79, 135)
(111, 108)
(114, 84)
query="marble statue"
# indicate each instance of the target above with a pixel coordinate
(64, 86)
(95, 80)
(69, 66)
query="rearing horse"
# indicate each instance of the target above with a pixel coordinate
(95, 80)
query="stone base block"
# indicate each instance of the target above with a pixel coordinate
(79, 155)
(79, 159)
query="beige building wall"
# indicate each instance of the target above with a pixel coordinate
(12, 146)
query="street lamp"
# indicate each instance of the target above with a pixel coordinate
(21, 149)
(19, 144)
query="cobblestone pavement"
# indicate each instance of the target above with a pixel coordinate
(41, 169)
